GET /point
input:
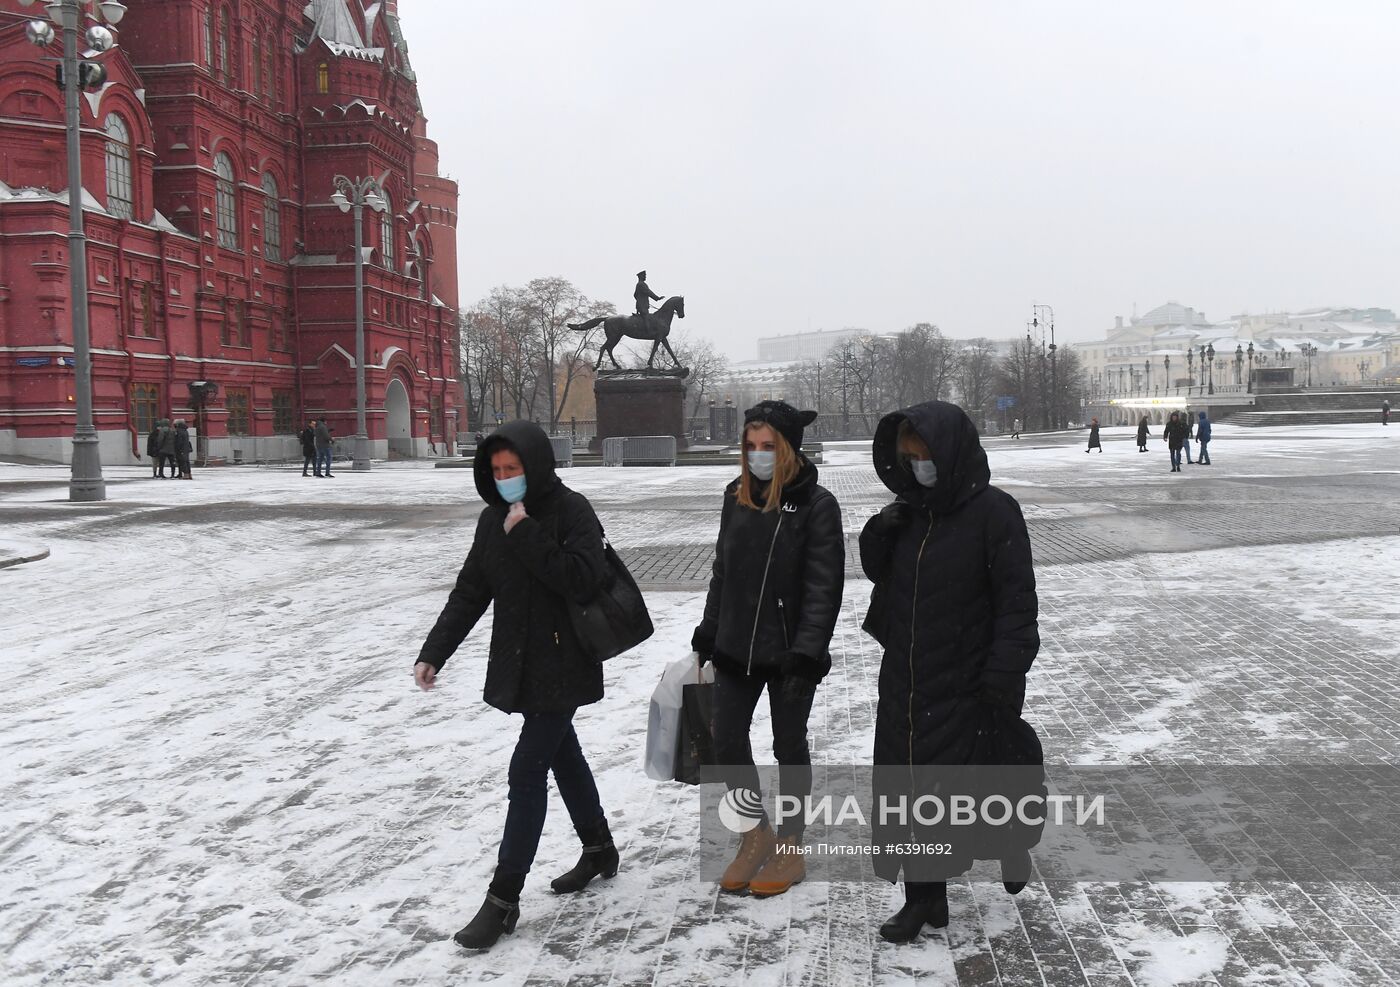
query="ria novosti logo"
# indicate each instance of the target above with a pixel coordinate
(740, 810)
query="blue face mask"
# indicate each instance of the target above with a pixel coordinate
(512, 489)
(761, 463)
(925, 471)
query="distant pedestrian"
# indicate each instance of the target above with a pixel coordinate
(1186, 442)
(1203, 437)
(167, 452)
(1174, 435)
(153, 447)
(1094, 442)
(308, 449)
(323, 441)
(183, 448)
(1142, 434)
(1015, 428)
(1385, 412)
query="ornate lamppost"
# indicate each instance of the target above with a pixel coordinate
(1190, 369)
(353, 195)
(1309, 350)
(1239, 362)
(1210, 367)
(1249, 380)
(86, 483)
(1166, 372)
(1054, 377)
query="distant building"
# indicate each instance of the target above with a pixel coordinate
(214, 252)
(801, 346)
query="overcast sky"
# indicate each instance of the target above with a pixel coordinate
(791, 166)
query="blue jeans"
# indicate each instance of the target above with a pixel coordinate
(1204, 455)
(547, 743)
(1176, 459)
(1187, 446)
(323, 460)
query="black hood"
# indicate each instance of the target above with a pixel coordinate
(957, 452)
(532, 446)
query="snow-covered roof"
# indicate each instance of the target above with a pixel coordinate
(350, 51)
(334, 23)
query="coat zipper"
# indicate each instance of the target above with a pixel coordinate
(758, 610)
(913, 616)
(782, 619)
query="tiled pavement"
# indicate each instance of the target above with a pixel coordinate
(335, 830)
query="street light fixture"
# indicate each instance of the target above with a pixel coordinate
(1309, 350)
(86, 483)
(1190, 368)
(1054, 376)
(1210, 367)
(1249, 379)
(353, 195)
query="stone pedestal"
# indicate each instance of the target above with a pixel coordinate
(639, 403)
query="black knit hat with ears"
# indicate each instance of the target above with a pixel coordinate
(786, 420)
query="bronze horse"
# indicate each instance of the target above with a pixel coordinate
(656, 328)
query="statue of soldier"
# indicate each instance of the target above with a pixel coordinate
(644, 296)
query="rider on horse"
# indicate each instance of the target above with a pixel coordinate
(644, 296)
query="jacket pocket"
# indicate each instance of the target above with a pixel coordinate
(782, 622)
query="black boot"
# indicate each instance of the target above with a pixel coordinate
(599, 859)
(497, 915)
(1016, 871)
(924, 904)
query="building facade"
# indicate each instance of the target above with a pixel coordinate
(214, 251)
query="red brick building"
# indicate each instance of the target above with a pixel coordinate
(214, 251)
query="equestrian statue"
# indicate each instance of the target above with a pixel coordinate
(644, 324)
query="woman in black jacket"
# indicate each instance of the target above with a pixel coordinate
(780, 563)
(954, 607)
(1142, 434)
(1094, 442)
(537, 543)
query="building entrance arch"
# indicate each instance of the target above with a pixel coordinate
(398, 421)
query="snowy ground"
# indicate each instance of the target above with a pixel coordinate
(217, 771)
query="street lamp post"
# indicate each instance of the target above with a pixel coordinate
(86, 483)
(1054, 376)
(1190, 369)
(1210, 367)
(1166, 372)
(1249, 379)
(353, 195)
(1239, 362)
(1309, 350)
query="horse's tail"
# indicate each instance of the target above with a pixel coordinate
(585, 326)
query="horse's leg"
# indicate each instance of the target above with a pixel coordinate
(652, 356)
(667, 343)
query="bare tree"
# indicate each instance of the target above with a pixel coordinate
(1021, 376)
(707, 366)
(550, 304)
(977, 373)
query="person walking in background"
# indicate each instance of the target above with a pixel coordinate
(1094, 442)
(1186, 441)
(954, 609)
(1385, 412)
(537, 546)
(1203, 437)
(167, 451)
(324, 442)
(772, 606)
(183, 448)
(1174, 435)
(308, 449)
(1142, 434)
(153, 447)
(1015, 428)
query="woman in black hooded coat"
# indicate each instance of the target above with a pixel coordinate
(528, 556)
(954, 607)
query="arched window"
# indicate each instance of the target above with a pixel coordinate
(386, 232)
(257, 86)
(209, 37)
(272, 220)
(225, 201)
(323, 78)
(119, 195)
(223, 46)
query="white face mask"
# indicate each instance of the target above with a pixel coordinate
(925, 471)
(761, 463)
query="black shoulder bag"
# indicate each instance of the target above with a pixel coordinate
(616, 619)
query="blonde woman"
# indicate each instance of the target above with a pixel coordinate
(780, 564)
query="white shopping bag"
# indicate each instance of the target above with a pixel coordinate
(664, 718)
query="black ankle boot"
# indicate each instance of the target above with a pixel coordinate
(497, 915)
(925, 904)
(1016, 871)
(496, 918)
(599, 859)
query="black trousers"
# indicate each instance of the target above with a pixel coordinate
(790, 702)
